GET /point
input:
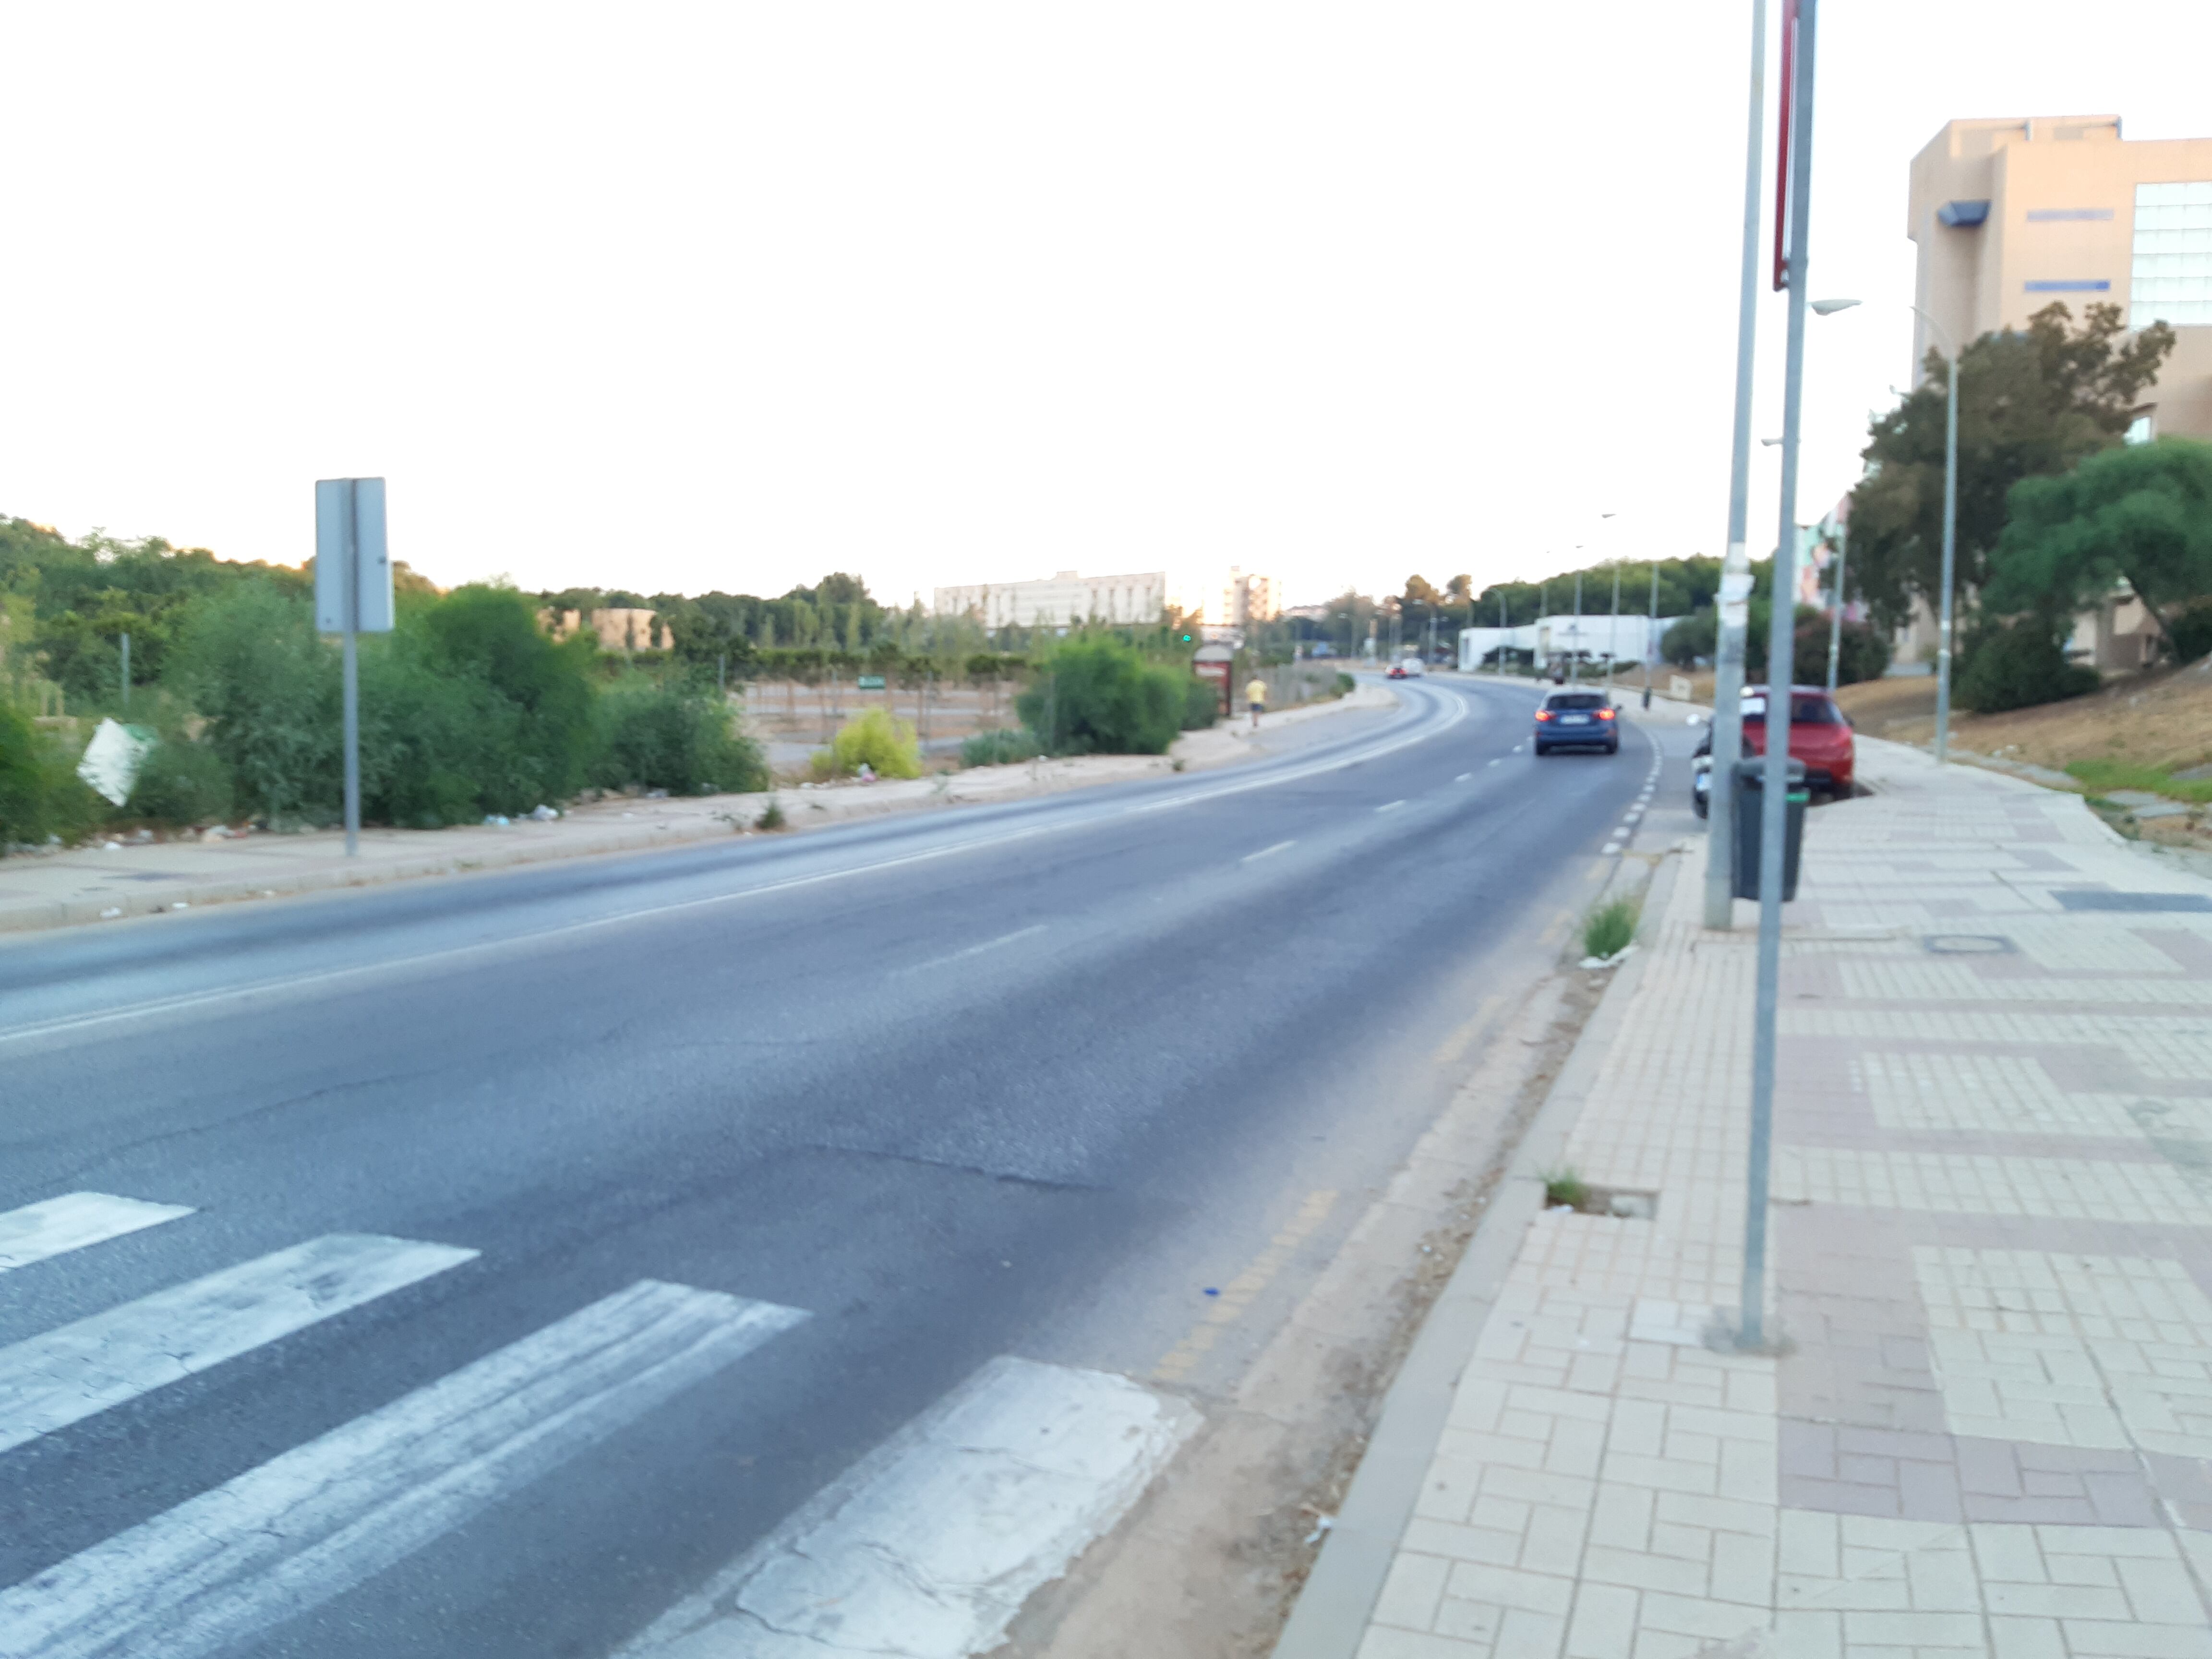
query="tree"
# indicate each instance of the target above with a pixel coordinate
(2140, 514)
(2032, 402)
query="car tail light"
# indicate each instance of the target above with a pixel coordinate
(1543, 713)
(1605, 713)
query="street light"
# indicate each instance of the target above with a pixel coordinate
(1950, 523)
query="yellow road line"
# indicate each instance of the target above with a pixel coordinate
(1239, 1292)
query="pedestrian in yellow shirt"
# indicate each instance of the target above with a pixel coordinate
(1255, 695)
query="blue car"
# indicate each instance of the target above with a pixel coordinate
(1577, 720)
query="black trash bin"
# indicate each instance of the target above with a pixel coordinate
(1750, 800)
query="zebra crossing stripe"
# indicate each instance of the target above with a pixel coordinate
(50, 1381)
(929, 1546)
(311, 1524)
(54, 1226)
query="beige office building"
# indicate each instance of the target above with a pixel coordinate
(1229, 599)
(2011, 215)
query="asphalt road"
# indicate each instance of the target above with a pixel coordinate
(1023, 1081)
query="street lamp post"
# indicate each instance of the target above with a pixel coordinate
(1950, 537)
(1733, 600)
(1943, 627)
(1774, 788)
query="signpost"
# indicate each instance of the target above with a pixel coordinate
(869, 683)
(353, 595)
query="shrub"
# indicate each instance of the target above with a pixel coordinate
(1346, 685)
(1202, 704)
(247, 659)
(2189, 630)
(668, 734)
(1610, 929)
(771, 815)
(1098, 697)
(1001, 747)
(40, 793)
(2018, 665)
(181, 784)
(886, 746)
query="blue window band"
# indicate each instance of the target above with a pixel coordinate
(2046, 215)
(2072, 285)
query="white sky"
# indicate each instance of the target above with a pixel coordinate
(685, 297)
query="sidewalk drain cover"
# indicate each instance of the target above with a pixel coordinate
(1967, 944)
(2089, 898)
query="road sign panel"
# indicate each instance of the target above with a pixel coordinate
(352, 567)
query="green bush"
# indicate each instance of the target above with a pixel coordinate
(1001, 747)
(1346, 685)
(874, 739)
(668, 734)
(247, 660)
(2189, 630)
(40, 793)
(1202, 704)
(1098, 697)
(2019, 664)
(182, 784)
(1610, 929)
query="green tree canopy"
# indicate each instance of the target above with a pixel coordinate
(2140, 514)
(2032, 402)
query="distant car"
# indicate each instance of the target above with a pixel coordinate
(1577, 720)
(1407, 668)
(1820, 736)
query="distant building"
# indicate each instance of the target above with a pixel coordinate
(619, 628)
(1220, 600)
(2012, 214)
(1592, 638)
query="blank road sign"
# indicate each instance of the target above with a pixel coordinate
(353, 567)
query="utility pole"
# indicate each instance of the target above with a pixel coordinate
(1613, 635)
(1734, 598)
(1774, 789)
(126, 672)
(1651, 635)
(1575, 635)
(1836, 602)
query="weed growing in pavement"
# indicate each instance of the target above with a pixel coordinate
(771, 815)
(1565, 1190)
(1610, 929)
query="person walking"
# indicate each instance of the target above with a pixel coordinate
(1255, 697)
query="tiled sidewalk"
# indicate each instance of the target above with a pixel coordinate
(1992, 1248)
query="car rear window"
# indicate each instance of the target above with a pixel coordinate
(1803, 711)
(1575, 700)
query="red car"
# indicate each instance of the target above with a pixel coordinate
(1820, 736)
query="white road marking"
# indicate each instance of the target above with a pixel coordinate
(930, 1545)
(1389, 806)
(54, 1226)
(49, 1382)
(1611, 846)
(505, 947)
(1264, 852)
(1494, 762)
(1464, 776)
(312, 1523)
(976, 950)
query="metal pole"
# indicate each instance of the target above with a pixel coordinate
(1613, 638)
(1575, 635)
(1651, 635)
(126, 673)
(351, 669)
(1950, 561)
(1836, 613)
(1734, 596)
(1781, 639)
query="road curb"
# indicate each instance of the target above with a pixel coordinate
(1331, 1616)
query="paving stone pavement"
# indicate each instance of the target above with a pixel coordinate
(1990, 1431)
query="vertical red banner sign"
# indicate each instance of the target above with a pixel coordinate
(1782, 157)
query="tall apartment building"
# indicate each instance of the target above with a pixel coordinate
(1218, 600)
(2012, 214)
